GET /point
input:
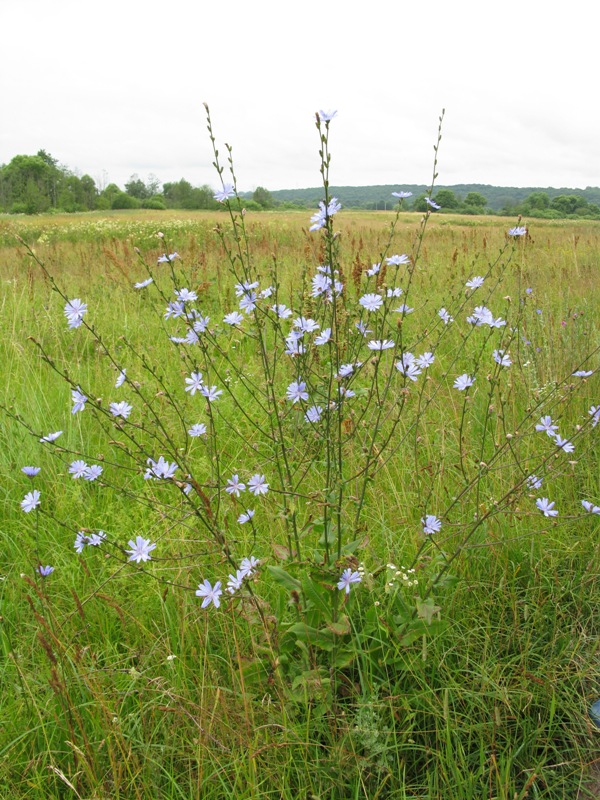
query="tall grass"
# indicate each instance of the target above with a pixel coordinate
(116, 684)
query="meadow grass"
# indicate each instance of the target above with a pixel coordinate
(116, 685)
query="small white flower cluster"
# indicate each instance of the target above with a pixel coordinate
(405, 577)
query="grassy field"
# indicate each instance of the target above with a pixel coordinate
(116, 684)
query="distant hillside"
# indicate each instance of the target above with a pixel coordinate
(380, 197)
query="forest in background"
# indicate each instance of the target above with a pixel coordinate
(34, 184)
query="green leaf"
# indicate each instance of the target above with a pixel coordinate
(322, 639)
(284, 578)
(281, 552)
(318, 596)
(341, 627)
(426, 609)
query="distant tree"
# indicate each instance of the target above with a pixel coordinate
(176, 194)
(89, 192)
(152, 185)
(568, 203)
(446, 198)
(537, 200)
(419, 203)
(263, 197)
(124, 200)
(476, 200)
(135, 187)
(28, 182)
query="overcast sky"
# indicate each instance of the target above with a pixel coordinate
(116, 87)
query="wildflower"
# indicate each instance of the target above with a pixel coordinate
(362, 328)
(79, 400)
(160, 469)
(371, 302)
(121, 409)
(92, 472)
(174, 309)
(248, 566)
(185, 295)
(257, 485)
(201, 324)
(248, 303)
(397, 261)
(51, 437)
(211, 594)
(165, 259)
(323, 337)
(533, 482)
(211, 393)
(306, 325)
(594, 413)
(313, 414)
(319, 219)
(546, 507)
(294, 346)
(582, 373)
(80, 541)
(463, 382)
(327, 116)
(395, 292)
(426, 360)
(234, 318)
(235, 486)
(282, 311)
(502, 358)
(235, 582)
(374, 270)
(481, 316)
(194, 382)
(31, 472)
(432, 204)
(96, 539)
(74, 311)
(380, 344)
(267, 292)
(333, 207)
(409, 369)
(590, 507)
(45, 571)
(401, 195)
(403, 309)
(564, 444)
(30, 501)
(140, 549)
(246, 516)
(245, 288)
(143, 284)
(121, 379)
(78, 469)
(545, 424)
(345, 370)
(297, 391)
(347, 393)
(475, 283)
(225, 193)
(347, 578)
(431, 524)
(518, 231)
(199, 429)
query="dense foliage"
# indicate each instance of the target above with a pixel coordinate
(38, 184)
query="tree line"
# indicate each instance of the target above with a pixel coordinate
(39, 184)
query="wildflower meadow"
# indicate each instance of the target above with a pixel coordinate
(299, 507)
